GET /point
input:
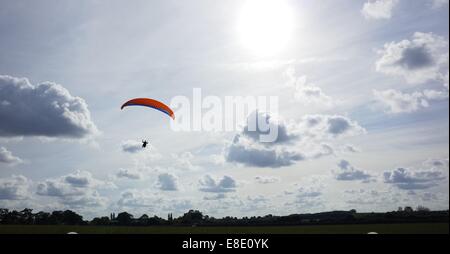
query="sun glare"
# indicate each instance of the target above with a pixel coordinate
(265, 26)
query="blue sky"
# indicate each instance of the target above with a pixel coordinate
(376, 70)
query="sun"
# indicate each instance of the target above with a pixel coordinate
(265, 26)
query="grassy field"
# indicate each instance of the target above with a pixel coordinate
(412, 228)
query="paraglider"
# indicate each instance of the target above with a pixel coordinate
(146, 102)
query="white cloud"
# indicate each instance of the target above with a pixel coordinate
(46, 109)
(308, 198)
(246, 148)
(145, 201)
(183, 161)
(397, 102)
(408, 179)
(217, 196)
(435, 94)
(422, 58)
(367, 197)
(267, 179)
(349, 149)
(379, 9)
(322, 150)
(15, 187)
(445, 78)
(347, 172)
(7, 157)
(167, 182)
(306, 92)
(129, 173)
(438, 163)
(131, 146)
(135, 198)
(256, 155)
(79, 189)
(209, 184)
(329, 126)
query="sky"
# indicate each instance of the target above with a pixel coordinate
(362, 117)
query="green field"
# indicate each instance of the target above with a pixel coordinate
(410, 228)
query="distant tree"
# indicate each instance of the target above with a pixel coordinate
(124, 218)
(101, 221)
(42, 218)
(26, 216)
(155, 220)
(422, 209)
(195, 217)
(72, 218)
(408, 209)
(3, 214)
(400, 209)
(56, 217)
(192, 217)
(143, 220)
(144, 217)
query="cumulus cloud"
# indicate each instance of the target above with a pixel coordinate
(349, 149)
(267, 179)
(134, 198)
(310, 131)
(15, 187)
(322, 151)
(259, 124)
(209, 184)
(329, 126)
(306, 194)
(79, 189)
(167, 182)
(131, 146)
(129, 173)
(308, 198)
(145, 201)
(445, 80)
(46, 109)
(306, 92)
(397, 102)
(217, 196)
(408, 179)
(365, 197)
(7, 157)
(379, 9)
(248, 150)
(435, 94)
(255, 155)
(436, 163)
(347, 172)
(184, 161)
(423, 57)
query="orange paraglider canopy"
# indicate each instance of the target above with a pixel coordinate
(146, 102)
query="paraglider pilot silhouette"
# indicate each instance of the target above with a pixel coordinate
(146, 102)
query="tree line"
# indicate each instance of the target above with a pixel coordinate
(197, 218)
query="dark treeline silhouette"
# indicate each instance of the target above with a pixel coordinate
(196, 218)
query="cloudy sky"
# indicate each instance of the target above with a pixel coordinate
(363, 102)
